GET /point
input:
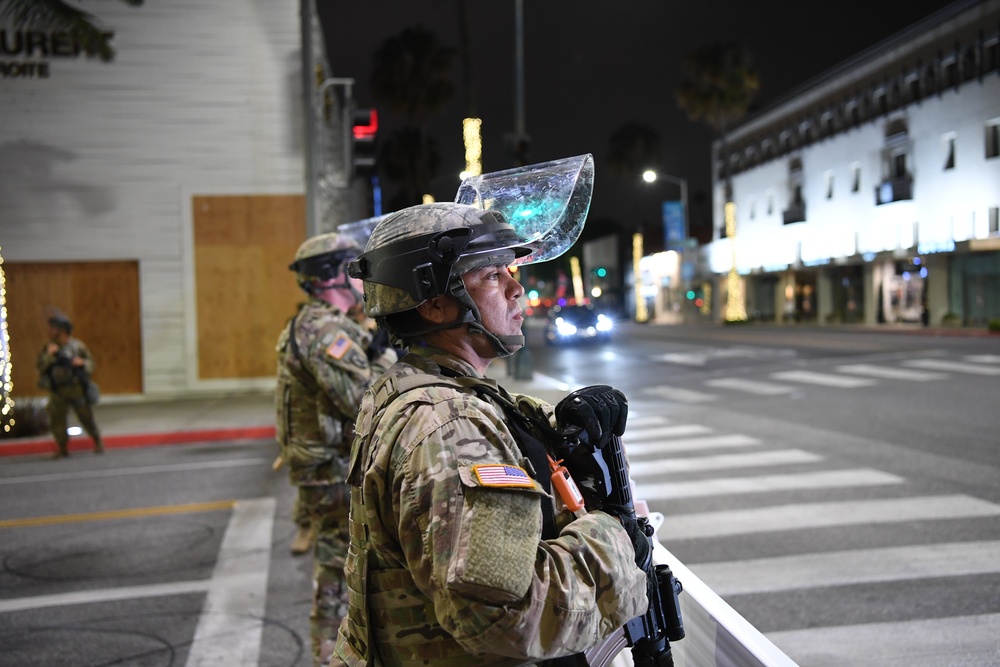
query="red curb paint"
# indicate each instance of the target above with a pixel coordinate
(45, 445)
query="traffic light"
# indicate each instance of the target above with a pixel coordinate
(364, 127)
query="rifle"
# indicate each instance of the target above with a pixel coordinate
(650, 634)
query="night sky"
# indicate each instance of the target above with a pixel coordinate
(593, 65)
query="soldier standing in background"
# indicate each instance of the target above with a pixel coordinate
(459, 554)
(326, 360)
(65, 366)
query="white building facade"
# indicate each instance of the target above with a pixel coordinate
(871, 194)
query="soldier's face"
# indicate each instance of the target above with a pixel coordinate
(495, 293)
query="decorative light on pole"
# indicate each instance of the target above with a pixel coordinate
(641, 313)
(735, 309)
(473, 139)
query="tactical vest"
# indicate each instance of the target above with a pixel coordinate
(383, 597)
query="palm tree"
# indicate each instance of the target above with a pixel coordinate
(632, 149)
(411, 78)
(717, 86)
(60, 16)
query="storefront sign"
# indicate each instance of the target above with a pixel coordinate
(27, 54)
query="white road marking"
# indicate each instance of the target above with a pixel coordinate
(890, 373)
(824, 515)
(724, 461)
(765, 483)
(754, 387)
(103, 595)
(677, 394)
(824, 379)
(972, 640)
(687, 444)
(666, 432)
(953, 366)
(231, 623)
(846, 568)
(139, 470)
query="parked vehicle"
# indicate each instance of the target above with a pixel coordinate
(576, 324)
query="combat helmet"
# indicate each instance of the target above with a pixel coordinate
(422, 252)
(60, 321)
(322, 258)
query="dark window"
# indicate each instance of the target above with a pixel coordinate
(949, 162)
(992, 140)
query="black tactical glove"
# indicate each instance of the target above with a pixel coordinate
(640, 540)
(380, 343)
(599, 410)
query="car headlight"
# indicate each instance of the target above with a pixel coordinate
(604, 323)
(564, 328)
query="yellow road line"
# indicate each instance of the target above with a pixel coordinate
(118, 514)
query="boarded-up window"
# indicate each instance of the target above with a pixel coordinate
(102, 301)
(245, 292)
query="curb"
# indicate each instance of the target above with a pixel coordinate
(45, 445)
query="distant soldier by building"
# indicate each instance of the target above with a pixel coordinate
(459, 554)
(65, 367)
(326, 360)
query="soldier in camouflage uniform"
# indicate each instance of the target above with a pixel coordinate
(64, 369)
(326, 360)
(459, 555)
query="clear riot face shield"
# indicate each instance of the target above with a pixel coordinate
(546, 203)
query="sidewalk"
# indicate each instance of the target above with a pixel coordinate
(238, 416)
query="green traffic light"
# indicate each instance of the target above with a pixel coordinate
(601, 272)
(690, 294)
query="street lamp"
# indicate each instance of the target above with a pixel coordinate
(651, 176)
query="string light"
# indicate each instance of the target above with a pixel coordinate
(735, 309)
(6, 369)
(473, 139)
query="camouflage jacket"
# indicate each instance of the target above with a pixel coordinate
(57, 375)
(321, 379)
(447, 565)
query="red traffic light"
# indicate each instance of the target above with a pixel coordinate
(365, 124)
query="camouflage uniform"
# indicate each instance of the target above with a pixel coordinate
(447, 565)
(321, 379)
(67, 390)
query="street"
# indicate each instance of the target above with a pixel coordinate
(839, 488)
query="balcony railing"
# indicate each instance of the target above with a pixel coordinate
(796, 212)
(894, 189)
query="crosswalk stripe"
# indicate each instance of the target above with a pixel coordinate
(982, 358)
(765, 483)
(972, 640)
(666, 432)
(724, 461)
(751, 386)
(890, 373)
(688, 444)
(823, 515)
(678, 394)
(824, 379)
(843, 568)
(955, 366)
(638, 422)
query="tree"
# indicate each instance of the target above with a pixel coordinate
(411, 78)
(632, 149)
(58, 15)
(718, 84)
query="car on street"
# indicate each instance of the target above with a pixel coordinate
(577, 324)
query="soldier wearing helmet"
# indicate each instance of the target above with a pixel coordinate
(65, 366)
(326, 360)
(459, 554)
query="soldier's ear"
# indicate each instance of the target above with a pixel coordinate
(439, 309)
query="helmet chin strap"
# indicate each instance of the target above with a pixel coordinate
(504, 346)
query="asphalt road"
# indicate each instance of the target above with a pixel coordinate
(840, 488)
(197, 572)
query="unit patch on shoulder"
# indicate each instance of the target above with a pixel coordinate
(339, 347)
(498, 474)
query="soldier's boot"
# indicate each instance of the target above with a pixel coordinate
(98, 446)
(62, 450)
(303, 540)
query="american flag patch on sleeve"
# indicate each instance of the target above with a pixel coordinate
(498, 474)
(339, 347)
